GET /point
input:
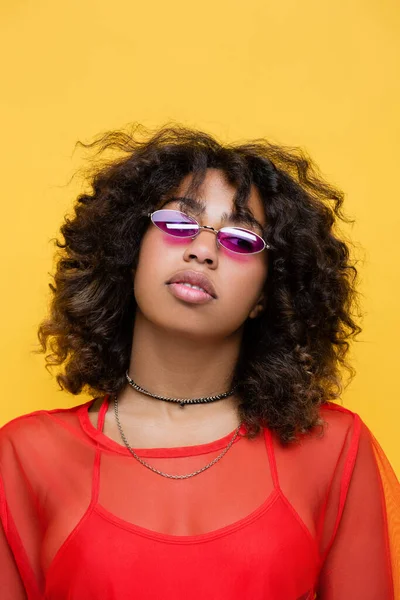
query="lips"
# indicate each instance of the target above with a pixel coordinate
(195, 278)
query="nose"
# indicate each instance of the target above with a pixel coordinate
(203, 246)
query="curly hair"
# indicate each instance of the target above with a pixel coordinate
(290, 356)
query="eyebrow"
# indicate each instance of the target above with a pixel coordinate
(199, 208)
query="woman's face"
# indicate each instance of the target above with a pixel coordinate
(238, 279)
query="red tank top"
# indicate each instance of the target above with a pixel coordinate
(83, 519)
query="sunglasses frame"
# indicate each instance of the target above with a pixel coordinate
(207, 227)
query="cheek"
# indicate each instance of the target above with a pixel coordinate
(246, 289)
(152, 253)
(148, 265)
(148, 253)
(245, 274)
(240, 290)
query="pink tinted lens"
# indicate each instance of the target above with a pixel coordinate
(240, 240)
(175, 223)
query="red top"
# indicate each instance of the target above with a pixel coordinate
(81, 518)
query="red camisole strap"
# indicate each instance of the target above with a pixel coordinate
(96, 466)
(102, 413)
(271, 456)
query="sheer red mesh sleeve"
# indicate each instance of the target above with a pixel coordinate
(11, 585)
(362, 562)
(20, 525)
(391, 506)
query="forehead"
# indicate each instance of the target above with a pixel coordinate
(214, 200)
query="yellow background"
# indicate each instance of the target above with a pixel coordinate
(321, 75)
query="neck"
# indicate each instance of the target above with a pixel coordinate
(179, 365)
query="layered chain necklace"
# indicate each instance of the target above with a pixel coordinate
(182, 402)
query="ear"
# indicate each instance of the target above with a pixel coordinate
(258, 308)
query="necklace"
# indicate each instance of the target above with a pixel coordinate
(160, 472)
(182, 401)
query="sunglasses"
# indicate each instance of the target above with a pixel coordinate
(181, 225)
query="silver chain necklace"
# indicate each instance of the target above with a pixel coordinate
(182, 402)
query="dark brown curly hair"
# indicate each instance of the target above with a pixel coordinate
(290, 357)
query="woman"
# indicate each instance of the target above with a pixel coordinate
(203, 299)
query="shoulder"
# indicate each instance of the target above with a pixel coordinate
(335, 408)
(339, 417)
(339, 427)
(341, 433)
(29, 427)
(320, 455)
